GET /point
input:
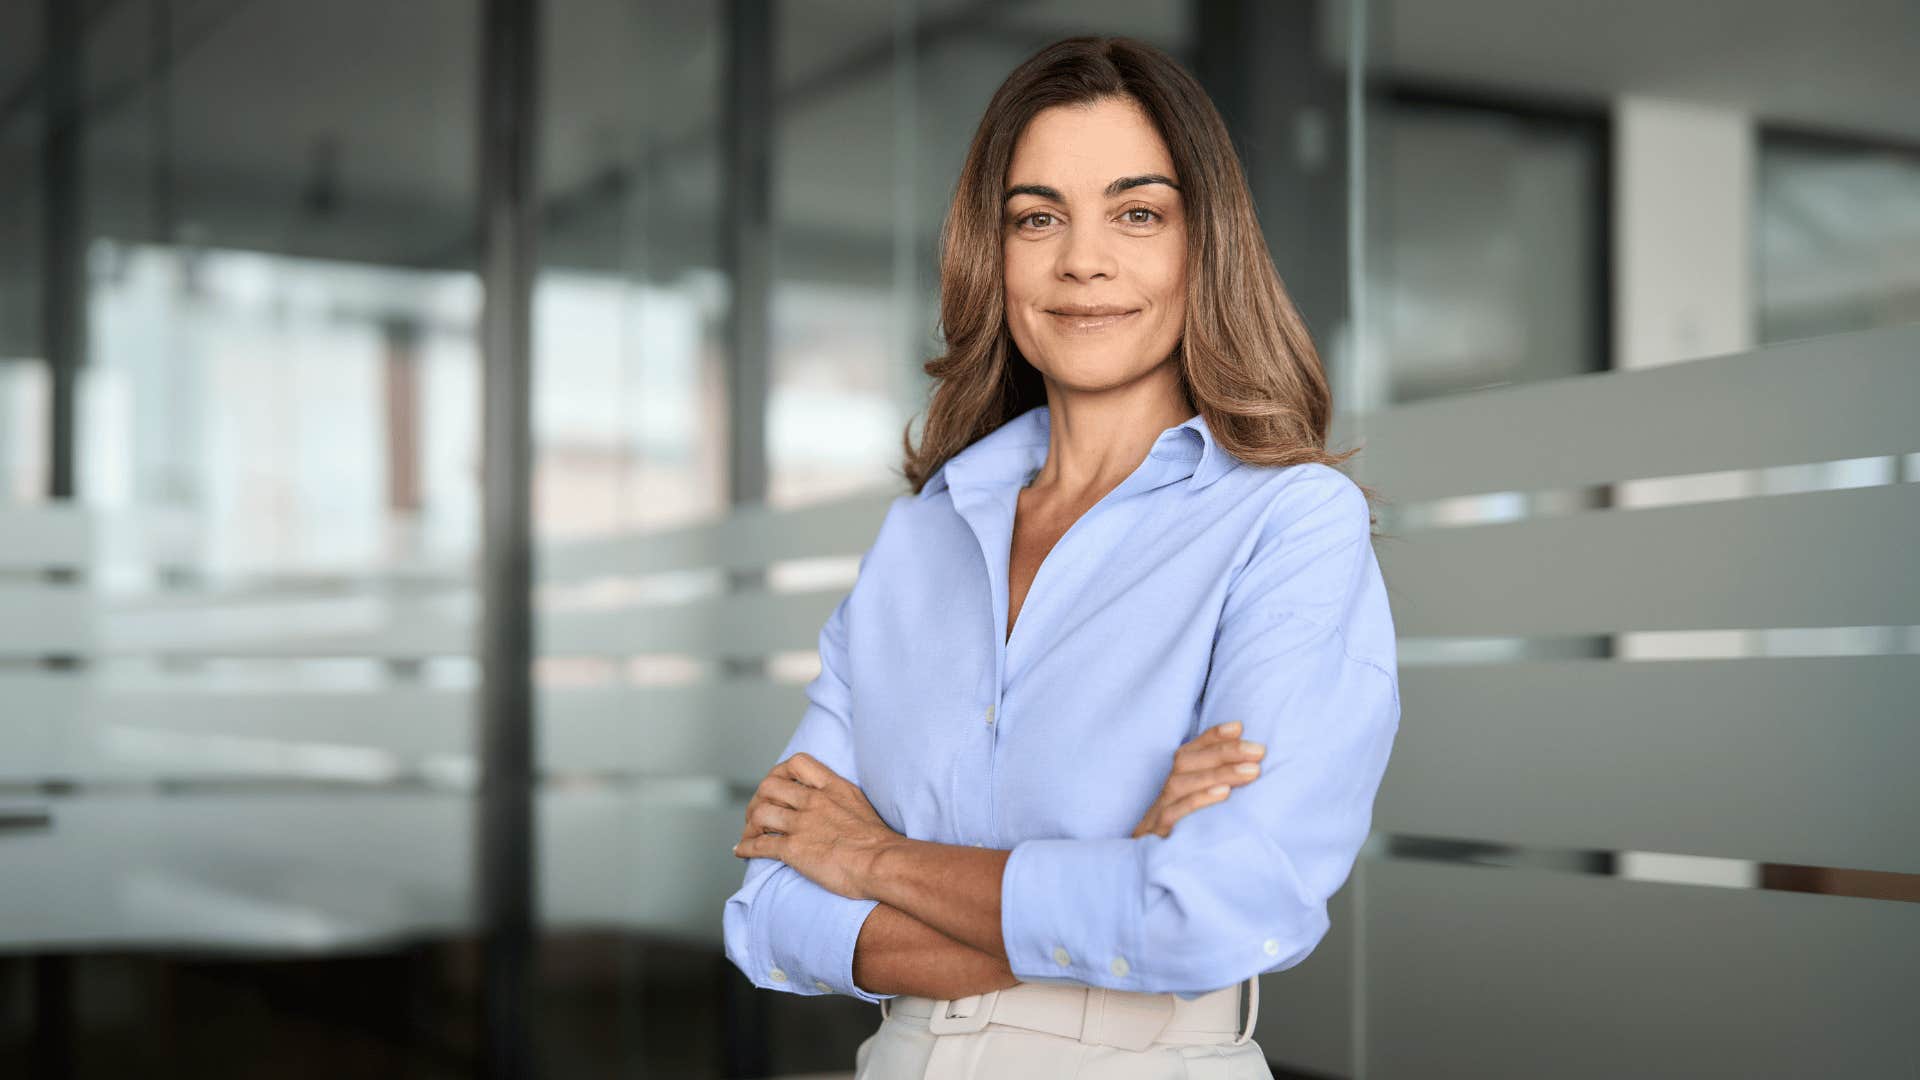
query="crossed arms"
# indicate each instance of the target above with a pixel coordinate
(834, 901)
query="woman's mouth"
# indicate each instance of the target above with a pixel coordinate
(1090, 319)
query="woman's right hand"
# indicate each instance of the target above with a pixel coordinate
(1204, 772)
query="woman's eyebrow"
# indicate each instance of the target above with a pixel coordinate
(1115, 188)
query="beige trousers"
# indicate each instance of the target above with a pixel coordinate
(905, 1048)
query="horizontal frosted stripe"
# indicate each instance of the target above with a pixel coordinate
(1826, 558)
(38, 619)
(302, 872)
(41, 619)
(65, 535)
(68, 535)
(619, 860)
(1829, 558)
(45, 619)
(43, 537)
(316, 872)
(1846, 396)
(1472, 971)
(748, 538)
(741, 624)
(1804, 760)
(67, 727)
(733, 729)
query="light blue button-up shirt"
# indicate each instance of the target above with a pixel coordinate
(1200, 590)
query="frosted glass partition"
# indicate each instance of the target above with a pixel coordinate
(154, 827)
(1700, 858)
(1473, 971)
(1819, 399)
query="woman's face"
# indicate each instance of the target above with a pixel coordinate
(1096, 245)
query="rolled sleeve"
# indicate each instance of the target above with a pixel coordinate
(1304, 659)
(782, 930)
(787, 933)
(1068, 907)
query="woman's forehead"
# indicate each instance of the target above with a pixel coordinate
(1088, 147)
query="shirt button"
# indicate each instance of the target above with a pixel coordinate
(777, 975)
(1272, 947)
(1119, 965)
(989, 714)
(1060, 956)
(824, 988)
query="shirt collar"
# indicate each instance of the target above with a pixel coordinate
(1012, 452)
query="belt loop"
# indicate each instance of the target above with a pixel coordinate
(1250, 993)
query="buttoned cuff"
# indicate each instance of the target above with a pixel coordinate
(1066, 909)
(811, 949)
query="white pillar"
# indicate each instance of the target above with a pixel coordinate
(1683, 232)
(1683, 195)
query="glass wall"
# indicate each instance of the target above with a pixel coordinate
(1488, 256)
(1836, 239)
(238, 417)
(1618, 188)
(240, 471)
(1616, 257)
(1681, 183)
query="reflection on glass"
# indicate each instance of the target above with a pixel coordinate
(1485, 231)
(234, 664)
(287, 404)
(1838, 223)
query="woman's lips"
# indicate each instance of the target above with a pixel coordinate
(1086, 324)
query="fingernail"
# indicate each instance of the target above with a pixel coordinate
(1248, 746)
(1217, 789)
(1246, 768)
(736, 849)
(1231, 727)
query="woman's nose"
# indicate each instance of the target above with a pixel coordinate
(1085, 255)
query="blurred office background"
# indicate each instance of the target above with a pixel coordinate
(1623, 300)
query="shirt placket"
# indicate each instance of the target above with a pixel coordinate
(989, 513)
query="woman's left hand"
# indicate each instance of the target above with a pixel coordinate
(818, 822)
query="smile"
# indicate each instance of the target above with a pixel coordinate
(1081, 323)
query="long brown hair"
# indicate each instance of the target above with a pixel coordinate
(1246, 360)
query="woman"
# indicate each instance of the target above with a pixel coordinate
(1127, 545)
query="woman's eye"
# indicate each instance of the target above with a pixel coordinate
(1041, 219)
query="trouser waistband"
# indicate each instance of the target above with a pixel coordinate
(1092, 1014)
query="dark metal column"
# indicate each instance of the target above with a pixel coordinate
(746, 222)
(747, 240)
(63, 329)
(510, 49)
(64, 283)
(1286, 109)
